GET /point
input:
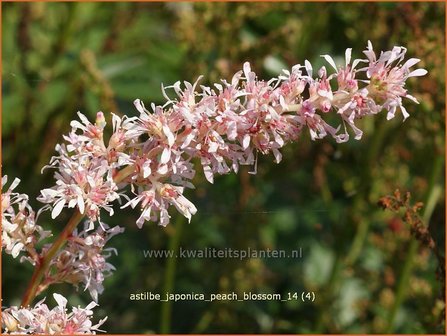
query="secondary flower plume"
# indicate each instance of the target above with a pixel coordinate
(83, 261)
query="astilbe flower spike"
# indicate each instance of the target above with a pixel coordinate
(221, 126)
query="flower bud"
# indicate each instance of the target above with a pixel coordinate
(100, 121)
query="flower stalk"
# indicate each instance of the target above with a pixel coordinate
(42, 267)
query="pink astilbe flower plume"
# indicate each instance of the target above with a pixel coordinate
(222, 126)
(226, 125)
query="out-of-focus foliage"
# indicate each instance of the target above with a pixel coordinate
(59, 58)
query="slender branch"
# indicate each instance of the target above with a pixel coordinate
(123, 173)
(43, 266)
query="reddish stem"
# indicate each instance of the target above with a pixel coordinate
(42, 267)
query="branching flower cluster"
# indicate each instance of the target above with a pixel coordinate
(148, 161)
(83, 261)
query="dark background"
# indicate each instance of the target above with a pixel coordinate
(59, 58)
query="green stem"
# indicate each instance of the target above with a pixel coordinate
(166, 307)
(403, 281)
(332, 283)
(359, 241)
(363, 227)
(434, 192)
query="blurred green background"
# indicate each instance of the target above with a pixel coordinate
(60, 58)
